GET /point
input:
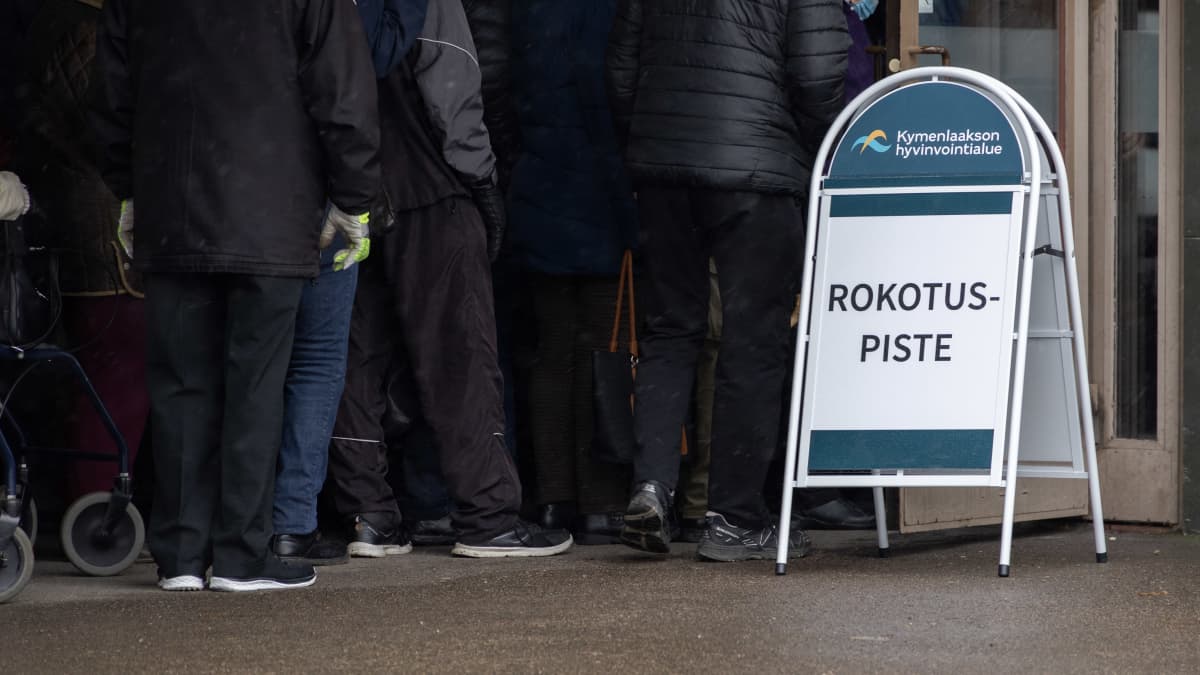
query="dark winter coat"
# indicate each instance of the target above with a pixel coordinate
(490, 22)
(232, 123)
(435, 144)
(571, 206)
(57, 160)
(726, 94)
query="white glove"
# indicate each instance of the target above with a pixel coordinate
(14, 198)
(354, 230)
(125, 227)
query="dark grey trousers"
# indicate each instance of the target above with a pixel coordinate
(216, 359)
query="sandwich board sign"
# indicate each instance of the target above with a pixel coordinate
(938, 234)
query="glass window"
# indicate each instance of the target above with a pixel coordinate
(1137, 221)
(1015, 41)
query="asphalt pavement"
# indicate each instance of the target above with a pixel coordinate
(936, 605)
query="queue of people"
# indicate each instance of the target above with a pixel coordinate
(346, 214)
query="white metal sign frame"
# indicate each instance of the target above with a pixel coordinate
(1039, 147)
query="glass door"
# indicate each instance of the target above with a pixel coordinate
(1027, 44)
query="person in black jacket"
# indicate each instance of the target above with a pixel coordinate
(428, 287)
(722, 105)
(238, 127)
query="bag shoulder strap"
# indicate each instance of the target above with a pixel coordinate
(625, 291)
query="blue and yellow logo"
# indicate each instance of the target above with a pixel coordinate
(871, 141)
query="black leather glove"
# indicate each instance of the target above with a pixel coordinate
(490, 202)
(383, 218)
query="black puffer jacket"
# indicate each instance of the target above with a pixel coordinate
(231, 123)
(726, 94)
(491, 26)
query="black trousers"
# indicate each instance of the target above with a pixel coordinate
(427, 289)
(757, 243)
(574, 318)
(216, 359)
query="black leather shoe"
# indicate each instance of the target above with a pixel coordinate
(311, 549)
(836, 514)
(438, 532)
(525, 540)
(556, 515)
(594, 529)
(691, 529)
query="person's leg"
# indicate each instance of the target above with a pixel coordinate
(695, 482)
(315, 379)
(757, 246)
(260, 325)
(185, 350)
(444, 297)
(603, 488)
(550, 386)
(672, 293)
(358, 461)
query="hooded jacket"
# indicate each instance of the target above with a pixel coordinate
(435, 144)
(726, 94)
(232, 123)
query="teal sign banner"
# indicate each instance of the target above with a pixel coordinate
(928, 134)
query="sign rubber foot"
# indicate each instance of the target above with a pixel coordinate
(1004, 570)
(1101, 557)
(885, 553)
(780, 569)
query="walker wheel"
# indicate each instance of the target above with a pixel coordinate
(16, 565)
(94, 552)
(29, 519)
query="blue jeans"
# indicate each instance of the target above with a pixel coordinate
(315, 378)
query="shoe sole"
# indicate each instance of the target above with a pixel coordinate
(468, 551)
(226, 585)
(317, 562)
(183, 583)
(360, 549)
(718, 553)
(645, 531)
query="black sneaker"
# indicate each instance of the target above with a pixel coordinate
(373, 540)
(438, 532)
(648, 523)
(310, 548)
(525, 540)
(275, 574)
(723, 542)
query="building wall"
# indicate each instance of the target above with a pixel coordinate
(1190, 417)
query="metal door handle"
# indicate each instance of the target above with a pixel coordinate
(932, 49)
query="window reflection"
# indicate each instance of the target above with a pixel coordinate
(1137, 221)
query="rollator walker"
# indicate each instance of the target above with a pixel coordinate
(102, 533)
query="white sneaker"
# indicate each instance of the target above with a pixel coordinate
(183, 582)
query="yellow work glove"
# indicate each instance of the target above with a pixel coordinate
(354, 229)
